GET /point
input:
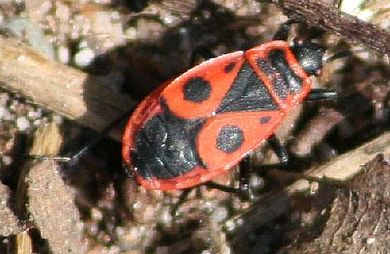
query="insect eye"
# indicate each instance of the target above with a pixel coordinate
(298, 41)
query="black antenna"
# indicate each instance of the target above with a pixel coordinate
(342, 54)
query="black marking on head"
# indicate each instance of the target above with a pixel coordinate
(165, 147)
(197, 90)
(230, 138)
(229, 67)
(247, 93)
(279, 63)
(265, 119)
(278, 81)
(310, 56)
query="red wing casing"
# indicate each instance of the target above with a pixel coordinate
(226, 138)
(198, 92)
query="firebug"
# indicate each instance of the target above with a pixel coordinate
(205, 121)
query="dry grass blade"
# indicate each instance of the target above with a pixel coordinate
(23, 243)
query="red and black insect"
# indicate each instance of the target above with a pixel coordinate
(201, 124)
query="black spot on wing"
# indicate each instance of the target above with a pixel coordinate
(229, 67)
(230, 138)
(265, 119)
(197, 90)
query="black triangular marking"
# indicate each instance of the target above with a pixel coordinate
(247, 93)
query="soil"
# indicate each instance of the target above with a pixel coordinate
(92, 206)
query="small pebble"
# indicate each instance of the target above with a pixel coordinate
(170, 19)
(4, 98)
(58, 119)
(5, 114)
(96, 214)
(92, 229)
(84, 57)
(34, 114)
(37, 122)
(63, 54)
(165, 216)
(219, 214)
(6, 160)
(22, 123)
(256, 182)
(14, 105)
(230, 225)
(131, 33)
(226, 250)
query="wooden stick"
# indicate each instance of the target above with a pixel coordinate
(339, 169)
(348, 165)
(65, 90)
(44, 198)
(316, 13)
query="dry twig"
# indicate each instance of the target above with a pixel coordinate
(51, 206)
(318, 14)
(63, 89)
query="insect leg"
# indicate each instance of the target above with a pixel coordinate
(182, 198)
(244, 188)
(280, 151)
(322, 94)
(245, 172)
(82, 151)
(221, 187)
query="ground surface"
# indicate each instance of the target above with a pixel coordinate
(93, 206)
